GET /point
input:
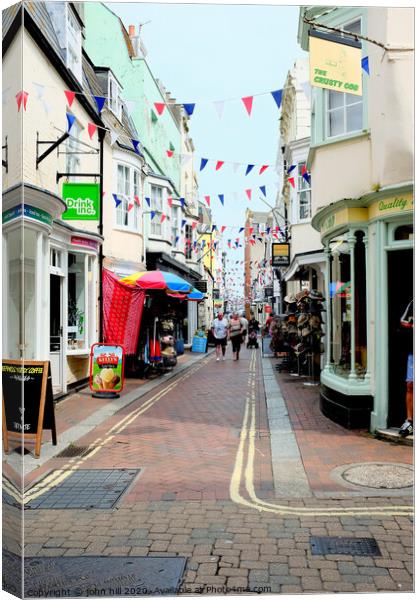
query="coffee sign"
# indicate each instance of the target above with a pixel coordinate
(82, 201)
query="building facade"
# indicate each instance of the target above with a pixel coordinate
(361, 164)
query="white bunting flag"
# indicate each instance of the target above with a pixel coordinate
(130, 106)
(219, 106)
(235, 167)
(114, 136)
(47, 107)
(40, 90)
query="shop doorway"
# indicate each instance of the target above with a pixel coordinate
(400, 340)
(56, 332)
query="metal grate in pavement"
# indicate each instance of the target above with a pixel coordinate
(71, 451)
(342, 545)
(86, 488)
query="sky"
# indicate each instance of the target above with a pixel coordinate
(207, 52)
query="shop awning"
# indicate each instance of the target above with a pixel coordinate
(303, 260)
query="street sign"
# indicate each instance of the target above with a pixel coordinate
(269, 292)
(335, 62)
(28, 406)
(106, 370)
(82, 200)
(280, 253)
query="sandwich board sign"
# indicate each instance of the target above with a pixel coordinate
(106, 371)
(28, 406)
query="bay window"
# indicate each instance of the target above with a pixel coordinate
(156, 197)
(303, 195)
(74, 44)
(128, 186)
(174, 225)
(114, 97)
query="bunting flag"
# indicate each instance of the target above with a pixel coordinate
(291, 180)
(263, 168)
(250, 230)
(114, 136)
(176, 239)
(219, 106)
(277, 95)
(207, 199)
(40, 90)
(222, 199)
(162, 218)
(213, 228)
(305, 174)
(183, 223)
(70, 97)
(100, 101)
(160, 107)
(182, 200)
(130, 206)
(219, 164)
(170, 153)
(136, 146)
(249, 169)
(137, 200)
(235, 167)
(189, 109)
(241, 229)
(129, 106)
(147, 200)
(117, 200)
(204, 161)
(70, 120)
(46, 106)
(229, 243)
(223, 227)
(193, 224)
(247, 100)
(22, 97)
(290, 169)
(263, 190)
(170, 200)
(248, 193)
(152, 214)
(365, 64)
(91, 129)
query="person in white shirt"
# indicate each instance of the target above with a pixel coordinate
(219, 330)
(244, 323)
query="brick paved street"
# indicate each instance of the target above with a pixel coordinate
(206, 490)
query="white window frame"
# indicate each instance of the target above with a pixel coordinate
(74, 44)
(302, 186)
(89, 304)
(174, 224)
(157, 207)
(358, 100)
(114, 96)
(125, 219)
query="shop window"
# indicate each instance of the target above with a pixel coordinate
(303, 195)
(76, 327)
(128, 186)
(404, 232)
(156, 195)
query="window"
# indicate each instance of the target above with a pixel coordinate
(188, 241)
(303, 195)
(156, 195)
(76, 326)
(174, 225)
(128, 186)
(344, 112)
(114, 97)
(74, 45)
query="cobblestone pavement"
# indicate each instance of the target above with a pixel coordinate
(205, 491)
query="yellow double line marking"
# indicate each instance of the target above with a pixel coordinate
(244, 471)
(60, 475)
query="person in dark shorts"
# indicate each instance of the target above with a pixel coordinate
(235, 334)
(219, 330)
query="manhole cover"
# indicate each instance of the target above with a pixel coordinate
(71, 451)
(86, 488)
(83, 576)
(341, 545)
(380, 475)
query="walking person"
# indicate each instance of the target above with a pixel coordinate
(235, 330)
(244, 323)
(219, 330)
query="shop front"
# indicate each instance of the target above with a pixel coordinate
(51, 311)
(369, 262)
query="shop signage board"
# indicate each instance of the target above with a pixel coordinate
(280, 253)
(335, 63)
(106, 370)
(28, 406)
(29, 212)
(85, 242)
(82, 201)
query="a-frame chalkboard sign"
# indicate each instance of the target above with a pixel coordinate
(28, 406)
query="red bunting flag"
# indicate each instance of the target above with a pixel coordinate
(251, 229)
(170, 153)
(91, 129)
(219, 164)
(22, 97)
(207, 199)
(291, 180)
(193, 224)
(160, 107)
(137, 200)
(162, 218)
(248, 193)
(263, 168)
(130, 206)
(70, 97)
(303, 170)
(247, 100)
(223, 227)
(169, 201)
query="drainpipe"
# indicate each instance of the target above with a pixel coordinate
(101, 229)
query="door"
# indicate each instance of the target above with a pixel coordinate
(56, 332)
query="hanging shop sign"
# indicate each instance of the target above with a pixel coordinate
(28, 406)
(82, 200)
(335, 62)
(29, 212)
(280, 253)
(106, 369)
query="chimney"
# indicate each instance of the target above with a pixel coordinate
(131, 30)
(138, 46)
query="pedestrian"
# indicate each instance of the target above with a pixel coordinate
(235, 334)
(219, 330)
(244, 323)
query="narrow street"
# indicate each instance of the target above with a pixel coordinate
(225, 475)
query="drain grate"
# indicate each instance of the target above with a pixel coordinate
(71, 451)
(86, 488)
(342, 545)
